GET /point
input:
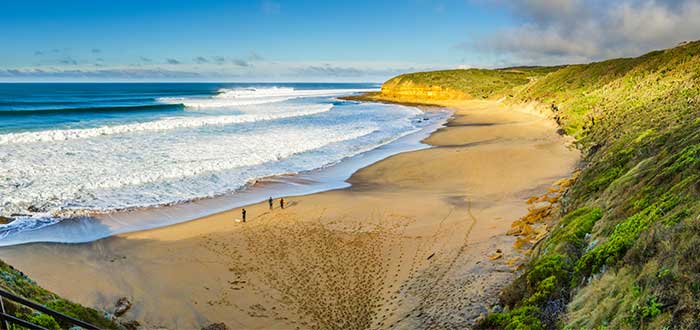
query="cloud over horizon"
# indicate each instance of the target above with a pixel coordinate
(571, 31)
(58, 73)
(216, 69)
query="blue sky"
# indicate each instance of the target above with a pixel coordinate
(321, 40)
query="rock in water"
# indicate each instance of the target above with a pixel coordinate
(5, 220)
(216, 326)
(122, 306)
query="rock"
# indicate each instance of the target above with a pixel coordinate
(33, 209)
(497, 308)
(130, 325)
(109, 316)
(480, 318)
(5, 220)
(216, 326)
(122, 306)
(551, 312)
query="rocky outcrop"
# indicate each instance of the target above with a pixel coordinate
(122, 306)
(216, 326)
(130, 325)
(404, 88)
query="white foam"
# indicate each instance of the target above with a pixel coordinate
(93, 227)
(162, 124)
(159, 166)
(252, 96)
(27, 223)
(142, 171)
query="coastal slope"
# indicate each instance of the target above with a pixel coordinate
(624, 252)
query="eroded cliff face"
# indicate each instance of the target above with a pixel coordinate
(400, 88)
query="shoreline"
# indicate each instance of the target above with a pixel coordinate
(89, 228)
(413, 234)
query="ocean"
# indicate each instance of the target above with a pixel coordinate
(78, 150)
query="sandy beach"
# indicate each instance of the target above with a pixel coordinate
(407, 246)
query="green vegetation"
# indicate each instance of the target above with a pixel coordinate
(16, 282)
(623, 237)
(521, 318)
(43, 320)
(637, 122)
(544, 287)
(624, 254)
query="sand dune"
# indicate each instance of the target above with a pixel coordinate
(406, 246)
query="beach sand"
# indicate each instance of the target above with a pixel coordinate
(407, 246)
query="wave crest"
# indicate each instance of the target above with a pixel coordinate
(91, 110)
(251, 96)
(158, 125)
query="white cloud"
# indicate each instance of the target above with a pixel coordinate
(565, 31)
(219, 69)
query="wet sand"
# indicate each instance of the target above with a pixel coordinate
(407, 246)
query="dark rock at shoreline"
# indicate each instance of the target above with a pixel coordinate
(131, 325)
(216, 326)
(5, 220)
(122, 306)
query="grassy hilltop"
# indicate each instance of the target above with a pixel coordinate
(451, 85)
(626, 251)
(470, 83)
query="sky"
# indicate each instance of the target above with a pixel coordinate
(343, 41)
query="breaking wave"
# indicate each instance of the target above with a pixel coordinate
(106, 157)
(160, 125)
(252, 96)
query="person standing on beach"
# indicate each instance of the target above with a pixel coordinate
(269, 201)
(243, 212)
(282, 203)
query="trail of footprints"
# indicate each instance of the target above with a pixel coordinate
(449, 297)
(345, 274)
